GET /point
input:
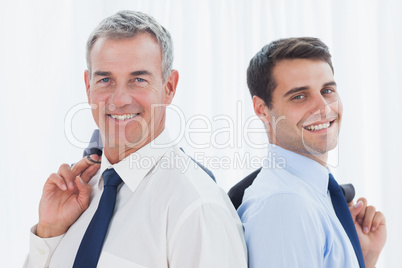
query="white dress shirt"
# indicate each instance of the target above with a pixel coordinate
(169, 213)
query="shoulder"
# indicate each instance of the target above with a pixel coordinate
(181, 175)
(290, 208)
(186, 189)
(282, 220)
(279, 196)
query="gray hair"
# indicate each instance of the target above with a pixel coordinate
(126, 24)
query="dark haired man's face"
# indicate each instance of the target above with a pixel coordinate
(307, 111)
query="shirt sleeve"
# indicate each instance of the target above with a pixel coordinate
(284, 231)
(41, 250)
(208, 235)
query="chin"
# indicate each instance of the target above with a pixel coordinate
(319, 149)
(134, 141)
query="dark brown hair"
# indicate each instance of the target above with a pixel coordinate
(260, 79)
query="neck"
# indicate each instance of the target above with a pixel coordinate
(320, 158)
(118, 152)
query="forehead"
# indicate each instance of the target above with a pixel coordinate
(301, 73)
(295, 73)
(141, 49)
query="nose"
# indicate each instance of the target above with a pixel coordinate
(120, 96)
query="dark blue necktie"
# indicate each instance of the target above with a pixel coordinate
(92, 242)
(343, 213)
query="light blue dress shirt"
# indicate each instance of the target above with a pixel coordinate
(288, 217)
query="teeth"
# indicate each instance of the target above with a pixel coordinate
(123, 116)
(318, 127)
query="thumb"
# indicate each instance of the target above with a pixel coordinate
(355, 209)
(84, 190)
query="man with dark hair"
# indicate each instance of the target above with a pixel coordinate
(139, 207)
(292, 214)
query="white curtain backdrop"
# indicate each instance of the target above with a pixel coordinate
(46, 121)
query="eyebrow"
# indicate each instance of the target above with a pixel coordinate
(141, 72)
(102, 73)
(135, 73)
(295, 90)
(332, 83)
(298, 89)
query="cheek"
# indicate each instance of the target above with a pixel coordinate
(97, 98)
(149, 101)
(335, 104)
(98, 104)
(293, 117)
(340, 108)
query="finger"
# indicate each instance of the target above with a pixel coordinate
(379, 219)
(355, 209)
(84, 190)
(84, 163)
(87, 175)
(360, 216)
(368, 219)
(57, 180)
(68, 176)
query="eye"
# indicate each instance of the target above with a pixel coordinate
(105, 80)
(139, 82)
(298, 97)
(327, 91)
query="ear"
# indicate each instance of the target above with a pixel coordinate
(265, 114)
(170, 86)
(87, 84)
(261, 110)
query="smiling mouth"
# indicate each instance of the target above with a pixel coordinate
(123, 117)
(319, 126)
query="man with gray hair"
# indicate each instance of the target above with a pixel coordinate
(117, 211)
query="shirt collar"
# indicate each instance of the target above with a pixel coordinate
(301, 166)
(133, 169)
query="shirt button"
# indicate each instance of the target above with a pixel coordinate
(41, 251)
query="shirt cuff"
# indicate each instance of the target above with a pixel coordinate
(41, 249)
